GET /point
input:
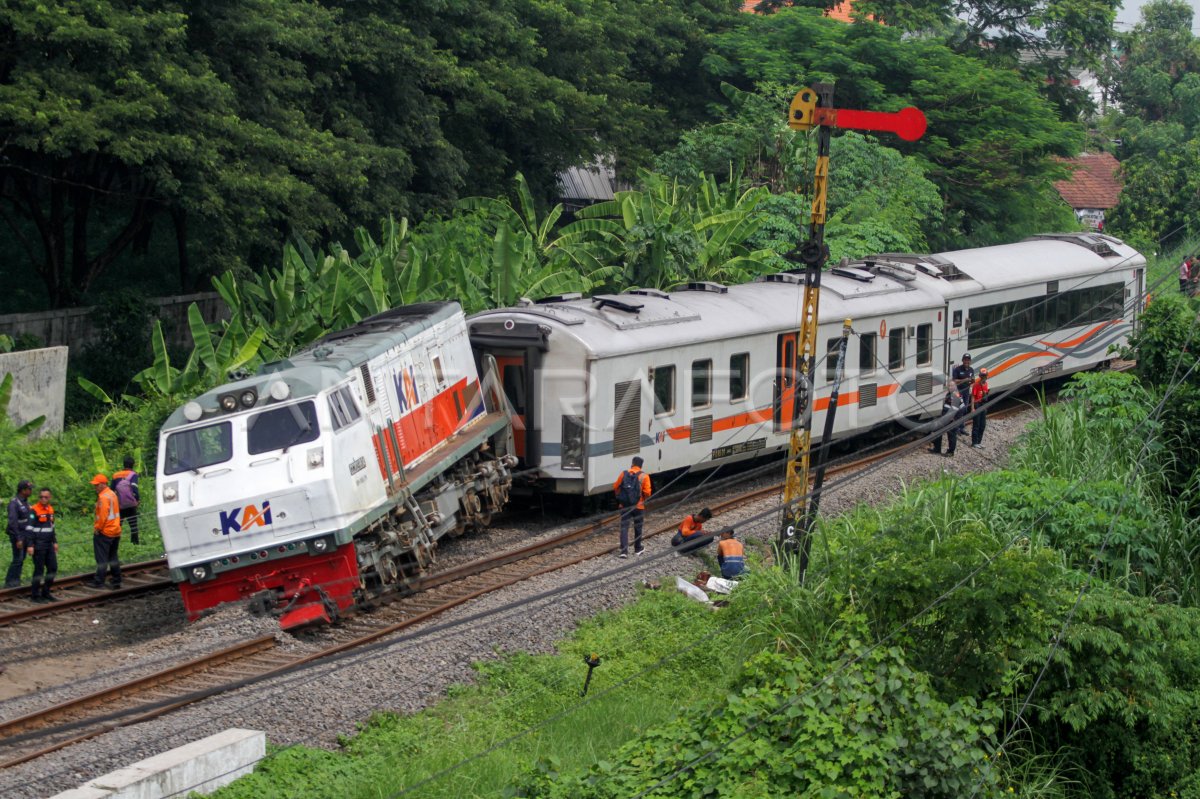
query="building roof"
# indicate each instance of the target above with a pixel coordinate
(840, 12)
(1095, 183)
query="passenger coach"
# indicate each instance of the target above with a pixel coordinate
(705, 374)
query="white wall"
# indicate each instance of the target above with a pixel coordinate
(39, 386)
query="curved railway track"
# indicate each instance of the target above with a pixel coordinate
(50, 729)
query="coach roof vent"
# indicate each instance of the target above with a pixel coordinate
(662, 295)
(603, 301)
(854, 273)
(706, 285)
(1095, 242)
(553, 298)
(781, 277)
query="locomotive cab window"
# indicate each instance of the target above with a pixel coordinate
(702, 383)
(896, 349)
(192, 449)
(739, 376)
(342, 409)
(924, 344)
(281, 428)
(663, 378)
(866, 353)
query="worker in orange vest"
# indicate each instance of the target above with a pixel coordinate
(690, 534)
(632, 490)
(730, 555)
(106, 535)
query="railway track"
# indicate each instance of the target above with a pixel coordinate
(73, 592)
(160, 693)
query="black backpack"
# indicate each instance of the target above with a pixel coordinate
(630, 492)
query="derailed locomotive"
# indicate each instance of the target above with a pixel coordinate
(326, 480)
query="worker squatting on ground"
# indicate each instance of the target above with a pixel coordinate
(42, 546)
(18, 532)
(632, 489)
(690, 534)
(107, 534)
(731, 557)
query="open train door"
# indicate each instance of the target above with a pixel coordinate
(516, 348)
(783, 402)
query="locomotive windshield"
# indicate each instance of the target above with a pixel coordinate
(280, 428)
(188, 450)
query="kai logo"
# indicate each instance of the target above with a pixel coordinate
(406, 389)
(240, 519)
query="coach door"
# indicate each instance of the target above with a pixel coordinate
(784, 401)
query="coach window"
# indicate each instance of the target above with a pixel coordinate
(664, 389)
(866, 353)
(702, 383)
(924, 344)
(739, 376)
(896, 348)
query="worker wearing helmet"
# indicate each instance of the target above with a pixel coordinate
(106, 534)
(979, 396)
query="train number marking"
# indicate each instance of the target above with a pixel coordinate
(357, 465)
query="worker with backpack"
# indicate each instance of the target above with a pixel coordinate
(125, 485)
(632, 489)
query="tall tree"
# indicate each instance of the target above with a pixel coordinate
(991, 138)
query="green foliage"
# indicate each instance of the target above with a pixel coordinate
(862, 724)
(235, 125)
(989, 163)
(659, 655)
(1121, 695)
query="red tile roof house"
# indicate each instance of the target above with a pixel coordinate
(1093, 187)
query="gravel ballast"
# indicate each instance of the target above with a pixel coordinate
(315, 706)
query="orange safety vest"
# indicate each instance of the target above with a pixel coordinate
(690, 527)
(645, 481)
(108, 514)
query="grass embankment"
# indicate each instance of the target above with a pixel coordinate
(1028, 632)
(659, 655)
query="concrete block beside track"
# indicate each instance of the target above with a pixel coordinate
(201, 766)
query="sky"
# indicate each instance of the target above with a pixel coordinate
(1131, 14)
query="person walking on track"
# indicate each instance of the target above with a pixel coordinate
(632, 489)
(106, 536)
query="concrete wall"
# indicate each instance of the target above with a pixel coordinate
(39, 386)
(202, 766)
(73, 326)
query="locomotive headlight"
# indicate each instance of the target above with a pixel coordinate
(320, 545)
(229, 403)
(199, 573)
(193, 411)
(279, 391)
(249, 398)
(316, 457)
(170, 492)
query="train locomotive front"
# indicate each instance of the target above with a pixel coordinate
(326, 480)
